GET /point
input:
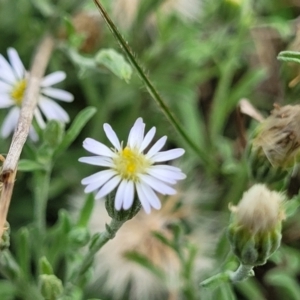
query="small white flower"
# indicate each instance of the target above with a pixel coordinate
(130, 169)
(13, 82)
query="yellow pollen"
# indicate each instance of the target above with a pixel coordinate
(129, 163)
(18, 92)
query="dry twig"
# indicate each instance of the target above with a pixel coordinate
(9, 170)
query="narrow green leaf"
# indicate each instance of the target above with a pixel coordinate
(250, 289)
(115, 62)
(163, 239)
(23, 251)
(227, 292)
(44, 7)
(45, 266)
(291, 56)
(86, 211)
(27, 165)
(287, 283)
(80, 121)
(145, 262)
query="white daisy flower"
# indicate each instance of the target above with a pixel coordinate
(13, 82)
(131, 170)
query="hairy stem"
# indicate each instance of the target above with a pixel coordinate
(97, 243)
(150, 87)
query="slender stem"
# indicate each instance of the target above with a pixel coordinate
(151, 89)
(41, 190)
(242, 273)
(96, 244)
(215, 280)
(9, 169)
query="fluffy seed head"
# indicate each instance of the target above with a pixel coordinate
(260, 209)
(278, 136)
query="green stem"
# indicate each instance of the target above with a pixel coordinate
(215, 280)
(151, 89)
(41, 190)
(243, 272)
(97, 243)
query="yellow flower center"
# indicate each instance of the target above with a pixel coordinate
(129, 163)
(18, 92)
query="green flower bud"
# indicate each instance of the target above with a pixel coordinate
(50, 286)
(121, 215)
(255, 229)
(79, 237)
(53, 133)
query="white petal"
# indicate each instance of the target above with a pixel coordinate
(143, 198)
(96, 147)
(156, 147)
(98, 176)
(128, 195)
(168, 167)
(52, 110)
(169, 173)
(6, 71)
(5, 101)
(108, 187)
(16, 63)
(33, 134)
(39, 119)
(136, 134)
(58, 94)
(167, 155)
(151, 196)
(97, 161)
(97, 184)
(120, 195)
(5, 87)
(53, 78)
(158, 175)
(157, 185)
(148, 138)
(111, 135)
(10, 122)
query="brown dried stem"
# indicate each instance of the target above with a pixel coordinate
(9, 170)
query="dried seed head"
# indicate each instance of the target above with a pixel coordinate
(278, 136)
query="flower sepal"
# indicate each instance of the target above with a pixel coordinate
(253, 249)
(121, 215)
(261, 170)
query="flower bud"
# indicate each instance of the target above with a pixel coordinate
(51, 287)
(79, 237)
(121, 215)
(278, 137)
(255, 229)
(53, 133)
